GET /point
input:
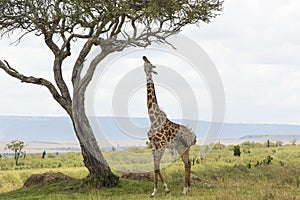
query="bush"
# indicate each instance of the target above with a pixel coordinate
(43, 154)
(195, 160)
(266, 161)
(237, 150)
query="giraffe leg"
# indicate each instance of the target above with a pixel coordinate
(164, 183)
(187, 166)
(157, 155)
(155, 184)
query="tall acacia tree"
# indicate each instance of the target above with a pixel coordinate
(111, 25)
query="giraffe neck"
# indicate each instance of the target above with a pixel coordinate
(152, 104)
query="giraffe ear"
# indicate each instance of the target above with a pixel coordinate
(154, 72)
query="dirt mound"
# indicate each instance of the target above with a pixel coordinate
(45, 179)
(138, 176)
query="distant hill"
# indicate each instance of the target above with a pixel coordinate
(48, 129)
(53, 129)
(285, 138)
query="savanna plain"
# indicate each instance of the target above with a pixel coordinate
(262, 171)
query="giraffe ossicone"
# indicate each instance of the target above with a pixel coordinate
(164, 133)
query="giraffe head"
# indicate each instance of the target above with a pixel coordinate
(148, 67)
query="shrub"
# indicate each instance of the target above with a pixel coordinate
(249, 165)
(237, 150)
(195, 160)
(43, 154)
(266, 161)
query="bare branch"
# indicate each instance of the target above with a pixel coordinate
(79, 62)
(37, 81)
(57, 69)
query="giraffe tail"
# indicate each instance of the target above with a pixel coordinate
(194, 137)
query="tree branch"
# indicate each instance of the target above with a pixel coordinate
(38, 81)
(93, 40)
(79, 62)
(57, 69)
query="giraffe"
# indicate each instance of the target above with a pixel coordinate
(164, 133)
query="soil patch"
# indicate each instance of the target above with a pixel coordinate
(45, 179)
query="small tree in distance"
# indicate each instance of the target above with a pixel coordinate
(16, 146)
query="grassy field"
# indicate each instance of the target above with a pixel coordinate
(259, 173)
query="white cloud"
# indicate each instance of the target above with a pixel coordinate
(254, 45)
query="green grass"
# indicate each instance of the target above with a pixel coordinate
(219, 175)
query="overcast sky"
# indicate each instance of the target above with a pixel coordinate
(254, 45)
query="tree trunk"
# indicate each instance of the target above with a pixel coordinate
(17, 158)
(92, 156)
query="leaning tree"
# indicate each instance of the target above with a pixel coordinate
(112, 25)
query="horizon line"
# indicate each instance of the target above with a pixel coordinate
(146, 117)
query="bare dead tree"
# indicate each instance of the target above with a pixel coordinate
(113, 25)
